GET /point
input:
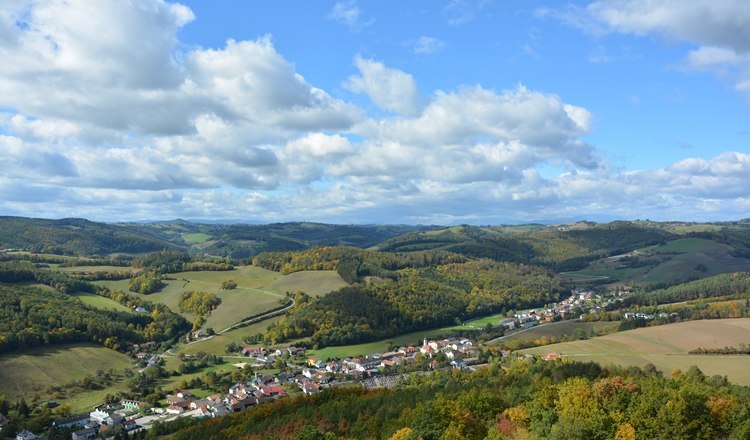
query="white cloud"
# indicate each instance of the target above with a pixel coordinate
(101, 127)
(458, 12)
(390, 89)
(349, 14)
(427, 45)
(721, 29)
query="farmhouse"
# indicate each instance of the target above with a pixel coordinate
(254, 350)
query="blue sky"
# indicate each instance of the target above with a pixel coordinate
(448, 112)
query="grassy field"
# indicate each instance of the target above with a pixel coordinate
(667, 347)
(100, 302)
(673, 262)
(236, 304)
(196, 238)
(218, 343)
(31, 372)
(92, 269)
(558, 329)
(312, 282)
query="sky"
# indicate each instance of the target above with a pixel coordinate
(419, 112)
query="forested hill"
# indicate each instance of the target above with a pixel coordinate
(75, 237)
(561, 247)
(395, 293)
(524, 400)
(243, 241)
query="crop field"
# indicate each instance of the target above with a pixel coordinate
(237, 304)
(31, 372)
(667, 347)
(100, 302)
(675, 261)
(312, 282)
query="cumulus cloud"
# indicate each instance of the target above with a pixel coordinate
(102, 126)
(390, 89)
(721, 29)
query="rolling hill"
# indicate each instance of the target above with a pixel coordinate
(76, 237)
(666, 347)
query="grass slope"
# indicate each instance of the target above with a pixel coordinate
(31, 372)
(558, 329)
(236, 304)
(671, 263)
(312, 282)
(100, 302)
(666, 347)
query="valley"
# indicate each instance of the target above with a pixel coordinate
(344, 303)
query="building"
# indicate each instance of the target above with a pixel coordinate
(85, 434)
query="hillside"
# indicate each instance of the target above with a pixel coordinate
(673, 262)
(560, 247)
(243, 241)
(666, 347)
(75, 237)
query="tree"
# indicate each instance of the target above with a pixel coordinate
(228, 285)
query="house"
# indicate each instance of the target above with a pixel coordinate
(174, 409)
(68, 422)
(273, 391)
(316, 363)
(294, 351)
(85, 434)
(551, 356)
(185, 394)
(218, 410)
(254, 350)
(310, 387)
(98, 415)
(131, 404)
(26, 435)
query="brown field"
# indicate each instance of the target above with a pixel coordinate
(667, 347)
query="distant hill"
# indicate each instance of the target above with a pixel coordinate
(561, 247)
(75, 236)
(244, 241)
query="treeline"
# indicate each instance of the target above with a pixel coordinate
(30, 316)
(352, 263)
(550, 400)
(724, 285)
(417, 299)
(175, 261)
(198, 303)
(742, 349)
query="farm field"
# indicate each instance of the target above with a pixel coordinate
(236, 304)
(100, 302)
(675, 261)
(92, 269)
(666, 347)
(196, 238)
(312, 282)
(218, 343)
(31, 372)
(558, 329)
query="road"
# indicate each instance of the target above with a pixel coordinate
(244, 322)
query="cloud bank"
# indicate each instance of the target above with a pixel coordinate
(97, 123)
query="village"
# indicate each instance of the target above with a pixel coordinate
(308, 376)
